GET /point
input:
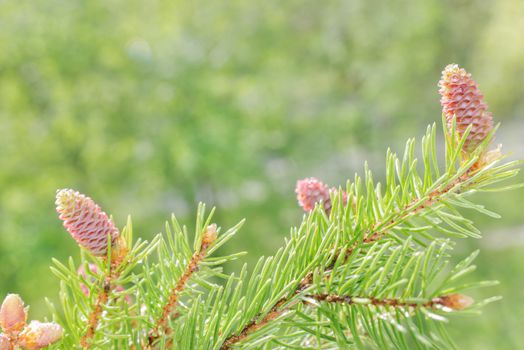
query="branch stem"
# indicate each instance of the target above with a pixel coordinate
(101, 300)
(392, 302)
(168, 311)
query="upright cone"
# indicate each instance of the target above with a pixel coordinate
(85, 221)
(13, 314)
(462, 99)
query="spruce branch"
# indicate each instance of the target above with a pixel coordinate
(394, 287)
(162, 323)
(179, 277)
(416, 206)
(409, 200)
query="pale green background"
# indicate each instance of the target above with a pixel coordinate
(151, 106)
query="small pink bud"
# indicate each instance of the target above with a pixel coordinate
(210, 235)
(311, 191)
(456, 301)
(5, 344)
(85, 221)
(38, 335)
(12, 314)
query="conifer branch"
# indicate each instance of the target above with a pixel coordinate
(169, 308)
(414, 207)
(451, 301)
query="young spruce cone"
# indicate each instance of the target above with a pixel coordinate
(13, 314)
(85, 221)
(462, 99)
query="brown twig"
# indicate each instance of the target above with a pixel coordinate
(450, 301)
(370, 236)
(254, 325)
(162, 323)
(101, 300)
(392, 302)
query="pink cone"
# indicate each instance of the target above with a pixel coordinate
(85, 221)
(13, 314)
(311, 191)
(462, 99)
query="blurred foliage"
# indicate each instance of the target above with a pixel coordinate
(150, 107)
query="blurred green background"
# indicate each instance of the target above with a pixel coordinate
(150, 107)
